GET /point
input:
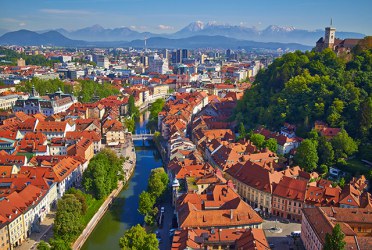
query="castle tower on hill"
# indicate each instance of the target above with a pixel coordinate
(339, 46)
(329, 37)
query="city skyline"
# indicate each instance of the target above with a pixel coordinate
(170, 16)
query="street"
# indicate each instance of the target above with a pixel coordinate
(281, 238)
(167, 225)
(45, 234)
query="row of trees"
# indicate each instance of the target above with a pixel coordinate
(104, 171)
(318, 151)
(157, 185)
(99, 179)
(88, 89)
(12, 56)
(85, 90)
(44, 86)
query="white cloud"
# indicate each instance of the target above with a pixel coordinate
(65, 12)
(165, 27)
(22, 24)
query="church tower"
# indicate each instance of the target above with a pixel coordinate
(329, 37)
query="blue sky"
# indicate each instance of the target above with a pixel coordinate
(164, 16)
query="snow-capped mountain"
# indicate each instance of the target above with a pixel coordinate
(273, 33)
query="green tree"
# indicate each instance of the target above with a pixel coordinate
(342, 182)
(157, 182)
(130, 124)
(136, 238)
(336, 240)
(67, 224)
(325, 151)
(146, 203)
(323, 169)
(271, 144)
(132, 109)
(242, 131)
(258, 140)
(155, 109)
(343, 144)
(43, 245)
(307, 156)
(313, 135)
(59, 244)
(104, 171)
(81, 197)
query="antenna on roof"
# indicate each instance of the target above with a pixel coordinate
(331, 21)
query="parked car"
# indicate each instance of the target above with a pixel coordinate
(296, 233)
(286, 221)
(272, 245)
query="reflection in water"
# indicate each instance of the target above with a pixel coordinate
(123, 213)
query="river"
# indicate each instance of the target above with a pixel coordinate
(123, 213)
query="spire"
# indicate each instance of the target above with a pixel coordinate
(331, 22)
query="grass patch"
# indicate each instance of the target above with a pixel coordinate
(92, 207)
(356, 166)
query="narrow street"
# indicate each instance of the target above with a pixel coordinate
(167, 225)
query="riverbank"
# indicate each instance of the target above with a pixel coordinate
(128, 167)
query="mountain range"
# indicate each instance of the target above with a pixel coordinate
(54, 38)
(272, 33)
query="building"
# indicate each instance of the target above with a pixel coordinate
(158, 64)
(255, 184)
(289, 198)
(101, 61)
(21, 62)
(48, 105)
(338, 45)
(356, 224)
(8, 101)
(219, 207)
(247, 239)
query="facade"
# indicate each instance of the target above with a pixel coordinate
(8, 101)
(255, 184)
(289, 198)
(158, 65)
(4, 237)
(52, 104)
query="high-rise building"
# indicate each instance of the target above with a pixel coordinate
(228, 53)
(157, 64)
(185, 54)
(101, 61)
(145, 60)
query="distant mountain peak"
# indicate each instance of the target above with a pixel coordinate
(195, 26)
(276, 28)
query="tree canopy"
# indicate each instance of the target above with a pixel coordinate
(104, 171)
(336, 240)
(303, 87)
(306, 155)
(136, 238)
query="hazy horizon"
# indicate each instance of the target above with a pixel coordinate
(170, 16)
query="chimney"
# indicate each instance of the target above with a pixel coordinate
(231, 214)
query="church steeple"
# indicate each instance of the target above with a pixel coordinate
(34, 93)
